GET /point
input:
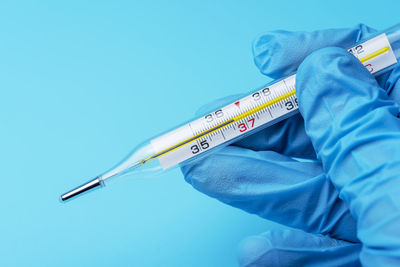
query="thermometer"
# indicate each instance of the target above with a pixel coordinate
(262, 108)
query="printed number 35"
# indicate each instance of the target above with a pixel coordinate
(195, 148)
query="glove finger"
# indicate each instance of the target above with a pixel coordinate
(287, 137)
(279, 53)
(275, 187)
(354, 129)
(289, 247)
(392, 85)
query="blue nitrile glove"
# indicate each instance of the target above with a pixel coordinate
(355, 131)
(263, 174)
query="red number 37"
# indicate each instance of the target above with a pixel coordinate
(242, 127)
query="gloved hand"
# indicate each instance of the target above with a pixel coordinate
(355, 131)
(276, 174)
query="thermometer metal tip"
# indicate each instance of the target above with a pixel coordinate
(80, 190)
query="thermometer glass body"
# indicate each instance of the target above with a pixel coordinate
(261, 108)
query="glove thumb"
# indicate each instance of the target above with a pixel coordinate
(355, 131)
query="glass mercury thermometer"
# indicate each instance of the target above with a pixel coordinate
(274, 102)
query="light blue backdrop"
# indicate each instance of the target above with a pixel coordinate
(83, 82)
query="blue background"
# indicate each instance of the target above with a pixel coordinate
(83, 82)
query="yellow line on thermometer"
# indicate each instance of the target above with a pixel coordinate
(375, 54)
(217, 127)
(244, 115)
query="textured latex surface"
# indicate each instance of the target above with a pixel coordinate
(277, 174)
(355, 131)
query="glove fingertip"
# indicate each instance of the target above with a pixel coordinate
(252, 251)
(279, 53)
(272, 49)
(264, 47)
(318, 73)
(186, 172)
(364, 31)
(291, 247)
